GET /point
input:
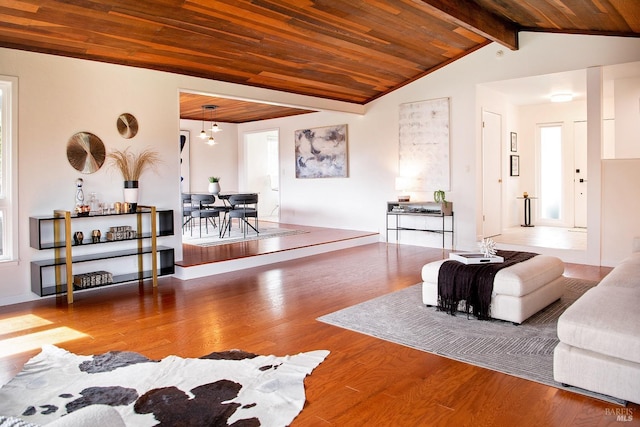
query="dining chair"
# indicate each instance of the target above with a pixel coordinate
(186, 211)
(244, 206)
(202, 207)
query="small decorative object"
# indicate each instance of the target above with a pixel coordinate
(446, 208)
(79, 192)
(93, 202)
(83, 210)
(95, 236)
(525, 195)
(96, 278)
(78, 237)
(214, 184)
(488, 247)
(475, 258)
(131, 166)
(121, 232)
(117, 207)
(127, 125)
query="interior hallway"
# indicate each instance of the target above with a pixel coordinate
(542, 236)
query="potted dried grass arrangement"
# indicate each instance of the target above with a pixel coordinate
(131, 166)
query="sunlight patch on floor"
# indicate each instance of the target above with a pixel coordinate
(36, 340)
(548, 237)
(21, 323)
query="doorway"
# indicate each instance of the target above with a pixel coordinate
(491, 174)
(262, 166)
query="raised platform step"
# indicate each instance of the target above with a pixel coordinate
(199, 262)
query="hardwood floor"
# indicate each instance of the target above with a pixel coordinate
(272, 309)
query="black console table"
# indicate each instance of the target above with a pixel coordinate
(425, 210)
(527, 211)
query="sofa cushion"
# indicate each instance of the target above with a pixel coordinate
(626, 274)
(604, 320)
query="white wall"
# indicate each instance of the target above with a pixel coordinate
(620, 207)
(627, 112)
(60, 96)
(206, 160)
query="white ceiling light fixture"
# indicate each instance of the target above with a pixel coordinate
(562, 97)
(214, 128)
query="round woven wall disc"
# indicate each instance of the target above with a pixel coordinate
(86, 152)
(127, 125)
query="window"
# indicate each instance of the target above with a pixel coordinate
(550, 172)
(8, 168)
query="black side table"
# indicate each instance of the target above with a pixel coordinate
(527, 211)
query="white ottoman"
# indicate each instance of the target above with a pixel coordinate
(519, 291)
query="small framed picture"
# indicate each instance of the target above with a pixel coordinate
(514, 142)
(515, 165)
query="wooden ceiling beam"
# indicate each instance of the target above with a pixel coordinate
(478, 20)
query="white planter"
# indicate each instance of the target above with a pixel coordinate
(214, 187)
(130, 194)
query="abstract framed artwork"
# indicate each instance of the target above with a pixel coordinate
(424, 144)
(321, 152)
(514, 142)
(185, 163)
(515, 165)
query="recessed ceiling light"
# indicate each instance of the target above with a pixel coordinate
(561, 97)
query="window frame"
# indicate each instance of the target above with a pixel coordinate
(9, 168)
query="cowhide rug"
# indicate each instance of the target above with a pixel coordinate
(229, 388)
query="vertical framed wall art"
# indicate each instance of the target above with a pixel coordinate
(515, 165)
(424, 144)
(185, 147)
(514, 142)
(321, 152)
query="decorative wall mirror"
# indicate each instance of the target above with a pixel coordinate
(86, 152)
(127, 125)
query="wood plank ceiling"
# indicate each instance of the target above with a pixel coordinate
(348, 50)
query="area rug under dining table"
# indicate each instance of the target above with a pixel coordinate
(525, 350)
(218, 389)
(235, 235)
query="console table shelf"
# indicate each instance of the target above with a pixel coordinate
(420, 210)
(56, 276)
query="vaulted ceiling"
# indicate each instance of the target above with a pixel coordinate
(348, 50)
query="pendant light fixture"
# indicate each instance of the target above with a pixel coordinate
(214, 127)
(203, 134)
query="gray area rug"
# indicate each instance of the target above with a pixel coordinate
(236, 235)
(525, 351)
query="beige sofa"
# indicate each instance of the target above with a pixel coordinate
(599, 334)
